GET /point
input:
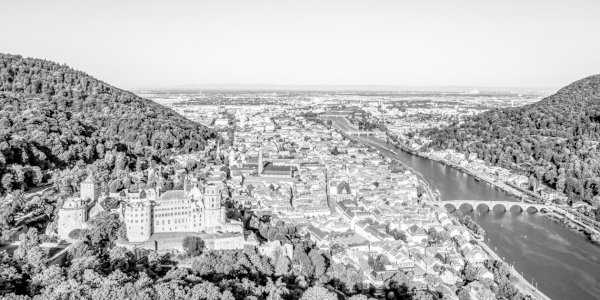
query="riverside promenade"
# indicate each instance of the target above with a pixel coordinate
(524, 286)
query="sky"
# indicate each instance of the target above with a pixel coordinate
(516, 43)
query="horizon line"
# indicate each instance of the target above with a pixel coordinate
(339, 87)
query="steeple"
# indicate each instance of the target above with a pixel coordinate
(260, 161)
(218, 152)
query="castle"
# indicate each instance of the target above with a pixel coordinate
(195, 209)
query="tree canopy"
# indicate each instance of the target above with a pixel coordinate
(54, 117)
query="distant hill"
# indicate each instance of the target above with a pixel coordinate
(331, 88)
(554, 141)
(53, 117)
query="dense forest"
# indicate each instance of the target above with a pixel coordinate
(53, 117)
(553, 141)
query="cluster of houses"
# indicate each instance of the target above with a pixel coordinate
(351, 201)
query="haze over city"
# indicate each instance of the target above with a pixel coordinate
(399, 43)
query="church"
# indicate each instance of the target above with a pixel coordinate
(268, 173)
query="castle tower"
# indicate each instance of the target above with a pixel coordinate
(212, 206)
(260, 161)
(72, 215)
(138, 219)
(89, 189)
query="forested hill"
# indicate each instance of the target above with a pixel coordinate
(52, 117)
(554, 141)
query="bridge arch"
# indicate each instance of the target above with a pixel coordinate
(501, 205)
(452, 205)
(535, 207)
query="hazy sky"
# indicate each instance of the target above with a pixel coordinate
(523, 43)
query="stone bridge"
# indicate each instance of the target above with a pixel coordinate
(491, 204)
(367, 133)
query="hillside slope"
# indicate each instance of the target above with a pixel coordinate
(52, 117)
(554, 141)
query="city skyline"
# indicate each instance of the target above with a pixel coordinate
(510, 44)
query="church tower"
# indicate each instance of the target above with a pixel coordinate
(260, 162)
(89, 188)
(231, 159)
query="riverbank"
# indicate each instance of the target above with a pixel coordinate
(562, 220)
(523, 285)
(496, 183)
(588, 229)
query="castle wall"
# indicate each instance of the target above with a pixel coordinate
(70, 219)
(177, 215)
(138, 218)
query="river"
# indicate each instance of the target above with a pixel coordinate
(563, 264)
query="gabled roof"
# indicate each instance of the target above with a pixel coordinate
(109, 203)
(318, 233)
(173, 194)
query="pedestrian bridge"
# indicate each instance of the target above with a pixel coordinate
(507, 205)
